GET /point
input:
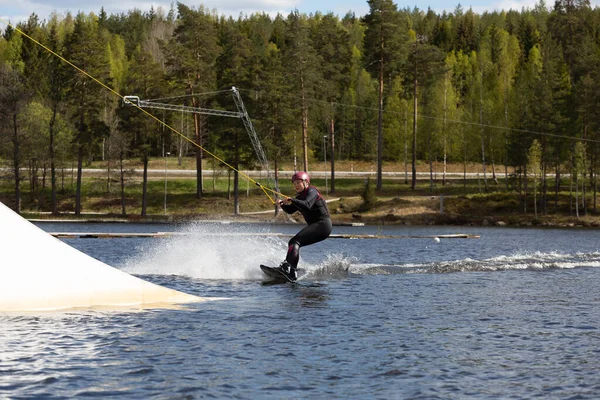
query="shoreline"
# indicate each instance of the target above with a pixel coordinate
(352, 220)
(492, 211)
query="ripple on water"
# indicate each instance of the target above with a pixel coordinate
(398, 325)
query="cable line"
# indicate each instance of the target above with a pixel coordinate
(328, 103)
(263, 188)
(189, 95)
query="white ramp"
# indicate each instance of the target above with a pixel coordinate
(39, 272)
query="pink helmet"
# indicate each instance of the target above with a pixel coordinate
(301, 175)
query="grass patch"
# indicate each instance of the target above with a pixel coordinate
(395, 203)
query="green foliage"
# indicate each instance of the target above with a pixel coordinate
(369, 198)
(534, 158)
(193, 50)
(578, 160)
(397, 124)
(385, 37)
(487, 85)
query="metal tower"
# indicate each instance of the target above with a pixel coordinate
(241, 113)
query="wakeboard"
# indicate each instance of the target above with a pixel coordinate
(275, 274)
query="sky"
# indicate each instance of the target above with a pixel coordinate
(15, 11)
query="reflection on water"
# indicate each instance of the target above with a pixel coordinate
(312, 296)
(513, 314)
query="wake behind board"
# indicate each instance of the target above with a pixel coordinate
(275, 274)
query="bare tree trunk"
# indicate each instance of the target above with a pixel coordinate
(506, 169)
(505, 134)
(332, 147)
(52, 162)
(145, 186)
(535, 195)
(525, 189)
(571, 186)
(583, 188)
(33, 179)
(484, 168)
(414, 141)
(444, 133)
(379, 184)
(464, 159)
(229, 184)
(430, 161)
(430, 173)
(557, 183)
(236, 179)
(78, 185)
(213, 164)
(584, 169)
(406, 162)
(577, 198)
(593, 178)
(16, 163)
(544, 193)
(182, 144)
(276, 178)
(583, 193)
(108, 170)
(198, 149)
(492, 163)
(304, 125)
(236, 193)
(122, 179)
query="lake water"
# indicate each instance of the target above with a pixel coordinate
(512, 314)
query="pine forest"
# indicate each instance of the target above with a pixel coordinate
(513, 94)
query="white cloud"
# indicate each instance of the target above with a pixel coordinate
(516, 5)
(20, 10)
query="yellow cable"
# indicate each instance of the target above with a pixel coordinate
(264, 189)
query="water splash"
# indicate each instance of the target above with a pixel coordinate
(535, 261)
(210, 251)
(335, 266)
(225, 252)
(217, 251)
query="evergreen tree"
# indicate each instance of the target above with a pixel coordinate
(14, 97)
(146, 80)
(534, 168)
(332, 44)
(509, 77)
(396, 133)
(441, 36)
(45, 77)
(85, 48)
(578, 167)
(33, 56)
(233, 64)
(57, 77)
(191, 59)
(440, 127)
(568, 25)
(384, 42)
(424, 65)
(551, 92)
(301, 64)
(505, 56)
(357, 115)
(273, 109)
(118, 73)
(467, 30)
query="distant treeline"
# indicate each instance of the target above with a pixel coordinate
(507, 89)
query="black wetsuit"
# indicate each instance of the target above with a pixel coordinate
(313, 208)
